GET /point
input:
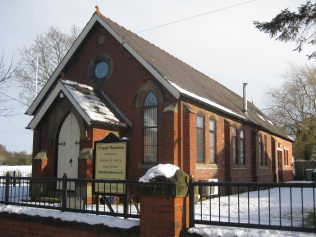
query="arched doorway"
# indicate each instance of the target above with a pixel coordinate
(68, 147)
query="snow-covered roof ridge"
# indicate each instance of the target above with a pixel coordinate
(85, 100)
(205, 100)
(164, 170)
(73, 83)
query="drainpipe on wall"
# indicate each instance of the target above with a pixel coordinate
(245, 109)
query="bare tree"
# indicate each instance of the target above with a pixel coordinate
(47, 51)
(6, 74)
(293, 107)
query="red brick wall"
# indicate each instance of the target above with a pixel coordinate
(121, 87)
(163, 217)
(250, 171)
(176, 130)
(12, 225)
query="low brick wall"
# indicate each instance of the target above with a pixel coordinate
(15, 225)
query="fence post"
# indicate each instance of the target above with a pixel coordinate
(14, 178)
(64, 193)
(191, 203)
(125, 202)
(6, 191)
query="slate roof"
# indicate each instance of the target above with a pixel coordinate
(194, 84)
(98, 107)
(180, 79)
(91, 106)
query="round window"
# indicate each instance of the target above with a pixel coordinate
(100, 68)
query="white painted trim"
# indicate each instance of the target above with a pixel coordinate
(279, 149)
(96, 18)
(48, 102)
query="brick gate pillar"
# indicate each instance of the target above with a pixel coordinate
(163, 217)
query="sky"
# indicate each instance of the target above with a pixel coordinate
(224, 44)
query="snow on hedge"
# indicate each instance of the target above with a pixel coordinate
(165, 170)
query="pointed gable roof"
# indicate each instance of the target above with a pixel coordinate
(177, 77)
(91, 106)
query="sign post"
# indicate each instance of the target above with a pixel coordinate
(110, 157)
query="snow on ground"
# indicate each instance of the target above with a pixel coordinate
(226, 208)
(274, 201)
(166, 170)
(24, 170)
(92, 219)
(223, 231)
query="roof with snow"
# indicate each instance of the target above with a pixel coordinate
(91, 106)
(176, 76)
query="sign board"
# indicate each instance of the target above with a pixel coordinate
(110, 164)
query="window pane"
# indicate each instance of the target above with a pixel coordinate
(241, 148)
(150, 145)
(234, 145)
(260, 151)
(150, 100)
(265, 154)
(241, 134)
(150, 128)
(200, 145)
(200, 122)
(200, 139)
(150, 117)
(212, 125)
(212, 147)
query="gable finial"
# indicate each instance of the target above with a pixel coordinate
(97, 10)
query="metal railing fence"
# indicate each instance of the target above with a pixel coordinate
(284, 206)
(108, 197)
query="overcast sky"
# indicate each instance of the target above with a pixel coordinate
(224, 44)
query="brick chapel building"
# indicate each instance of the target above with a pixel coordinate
(112, 80)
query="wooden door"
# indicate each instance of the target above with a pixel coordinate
(68, 148)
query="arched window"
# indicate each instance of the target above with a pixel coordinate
(200, 139)
(150, 128)
(234, 146)
(265, 151)
(260, 150)
(212, 133)
(242, 147)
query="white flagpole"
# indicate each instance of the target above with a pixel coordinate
(36, 75)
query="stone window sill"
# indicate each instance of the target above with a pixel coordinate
(206, 166)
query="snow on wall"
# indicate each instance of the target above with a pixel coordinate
(166, 170)
(91, 219)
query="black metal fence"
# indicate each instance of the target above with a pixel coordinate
(284, 206)
(109, 197)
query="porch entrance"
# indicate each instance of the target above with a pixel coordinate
(68, 147)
